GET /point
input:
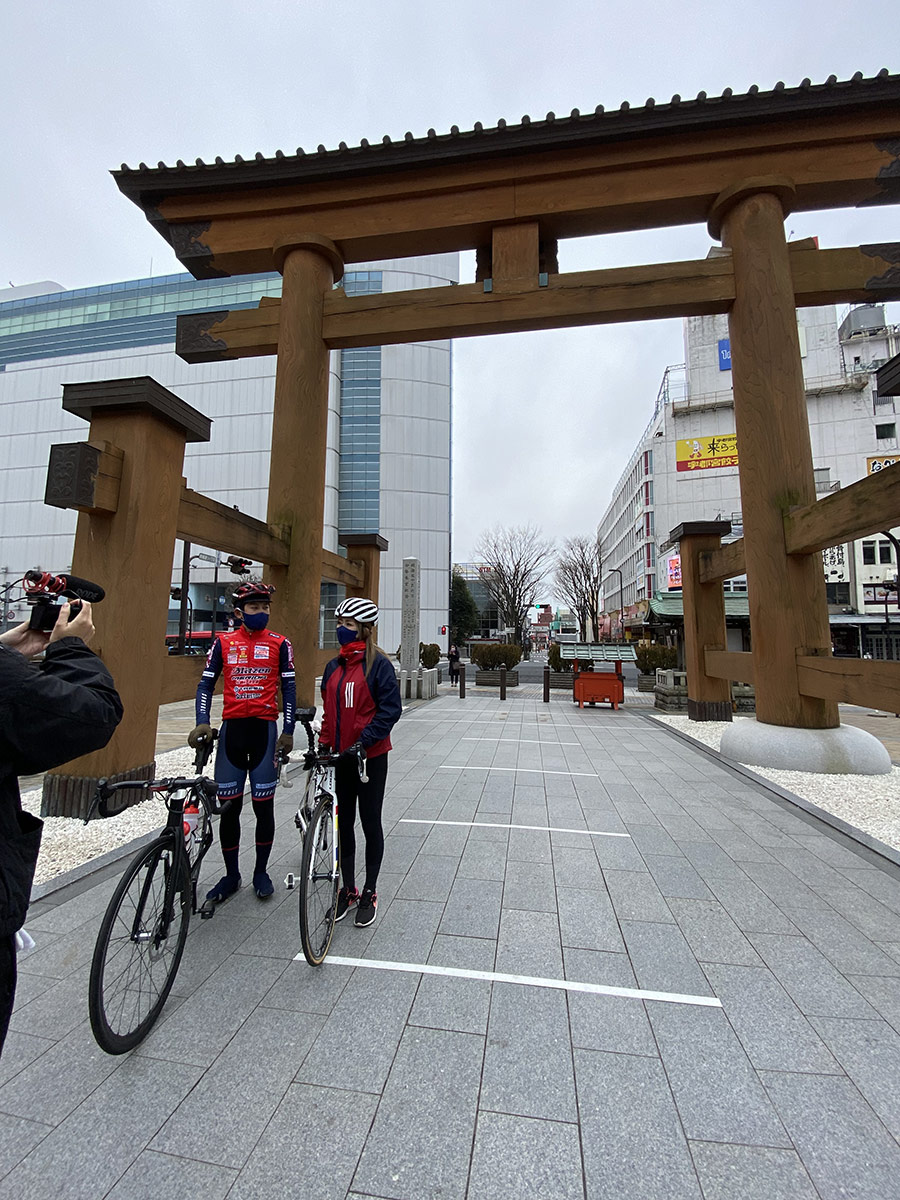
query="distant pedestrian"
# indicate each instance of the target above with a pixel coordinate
(453, 660)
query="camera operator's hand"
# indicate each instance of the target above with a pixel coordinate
(27, 641)
(199, 736)
(81, 625)
(285, 744)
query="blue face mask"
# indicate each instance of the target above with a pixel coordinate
(256, 621)
(345, 636)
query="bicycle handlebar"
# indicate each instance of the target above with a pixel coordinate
(205, 787)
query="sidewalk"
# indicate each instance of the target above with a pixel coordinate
(587, 857)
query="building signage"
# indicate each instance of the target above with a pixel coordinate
(878, 464)
(674, 571)
(834, 563)
(703, 453)
(724, 354)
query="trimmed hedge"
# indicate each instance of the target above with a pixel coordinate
(491, 658)
(429, 654)
(555, 659)
(651, 658)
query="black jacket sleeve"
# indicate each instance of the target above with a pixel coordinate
(65, 708)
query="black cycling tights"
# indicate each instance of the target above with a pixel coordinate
(246, 746)
(370, 797)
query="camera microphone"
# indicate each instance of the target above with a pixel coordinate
(63, 585)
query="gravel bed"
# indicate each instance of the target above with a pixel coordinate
(870, 803)
(67, 842)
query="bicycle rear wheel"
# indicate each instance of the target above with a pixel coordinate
(319, 878)
(139, 946)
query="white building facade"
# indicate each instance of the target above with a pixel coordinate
(388, 466)
(684, 468)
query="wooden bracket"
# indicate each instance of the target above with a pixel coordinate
(85, 476)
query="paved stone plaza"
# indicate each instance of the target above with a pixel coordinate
(766, 1067)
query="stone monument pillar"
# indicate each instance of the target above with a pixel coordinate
(409, 640)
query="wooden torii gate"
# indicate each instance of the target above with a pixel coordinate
(739, 163)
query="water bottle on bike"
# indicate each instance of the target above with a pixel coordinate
(191, 819)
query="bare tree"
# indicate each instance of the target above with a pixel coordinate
(519, 560)
(577, 581)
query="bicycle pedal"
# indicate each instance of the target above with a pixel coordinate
(207, 910)
(290, 880)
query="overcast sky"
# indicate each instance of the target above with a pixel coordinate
(543, 422)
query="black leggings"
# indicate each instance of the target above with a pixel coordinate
(370, 797)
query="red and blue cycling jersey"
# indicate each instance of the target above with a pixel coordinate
(253, 664)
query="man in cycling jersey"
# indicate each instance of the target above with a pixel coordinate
(253, 661)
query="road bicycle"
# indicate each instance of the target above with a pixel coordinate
(317, 821)
(144, 928)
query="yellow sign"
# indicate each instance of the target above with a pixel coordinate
(702, 453)
(878, 464)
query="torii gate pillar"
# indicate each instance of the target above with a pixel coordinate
(788, 607)
(310, 265)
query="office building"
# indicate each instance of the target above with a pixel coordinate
(388, 467)
(684, 468)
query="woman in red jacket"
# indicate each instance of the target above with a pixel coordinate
(361, 702)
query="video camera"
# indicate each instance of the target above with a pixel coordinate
(44, 594)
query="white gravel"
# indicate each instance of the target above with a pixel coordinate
(868, 802)
(67, 843)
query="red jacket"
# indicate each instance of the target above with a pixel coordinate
(357, 708)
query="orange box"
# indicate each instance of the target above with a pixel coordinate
(592, 686)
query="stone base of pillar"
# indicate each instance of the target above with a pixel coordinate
(709, 710)
(845, 750)
(71, 795)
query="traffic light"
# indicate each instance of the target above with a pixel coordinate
(238, 566)
(443, 629)
(175, 593)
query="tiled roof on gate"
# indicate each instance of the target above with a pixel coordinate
(143, 184)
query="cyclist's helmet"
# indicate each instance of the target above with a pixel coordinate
(363, 611)
(252, 591)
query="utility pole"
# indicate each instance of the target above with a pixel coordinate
(183, 611)
(215, 607)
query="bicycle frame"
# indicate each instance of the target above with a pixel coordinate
(177, 791)
(143, 931)
(319, 782)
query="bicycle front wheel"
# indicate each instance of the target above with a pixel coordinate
(139, 946)
(319, 882)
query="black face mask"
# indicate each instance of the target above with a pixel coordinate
(345, 636)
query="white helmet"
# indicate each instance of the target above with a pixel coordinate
(363, 611)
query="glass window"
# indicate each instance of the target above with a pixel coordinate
(882, 432)
(885, 552)
(868, 552)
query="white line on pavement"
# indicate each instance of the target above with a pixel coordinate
(500, 825)
(524, 770)
(518, 741)
(564, 985)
